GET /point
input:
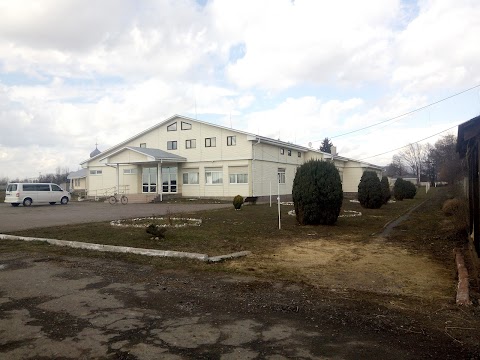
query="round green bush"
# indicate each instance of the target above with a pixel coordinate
(404, 190)
(237, 202)
(370, 191)
(399, 189)
(410, 190)
(386, 193)
(317, 193)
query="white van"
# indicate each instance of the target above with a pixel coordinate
(38, 193)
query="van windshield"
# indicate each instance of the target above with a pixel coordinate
(12, 187)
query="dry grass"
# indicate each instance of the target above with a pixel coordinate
(346, 255)
(254, 228)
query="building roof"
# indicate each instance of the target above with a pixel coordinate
(95, 152)
(77, 174)
(152, 154)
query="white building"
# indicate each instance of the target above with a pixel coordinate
(192, 158)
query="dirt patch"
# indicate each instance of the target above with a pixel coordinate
(373, 267)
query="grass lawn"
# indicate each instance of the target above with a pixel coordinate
(347, 255)
(254, 228)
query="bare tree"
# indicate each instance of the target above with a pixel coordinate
(446, 159)
(413, 156)
(396, 168)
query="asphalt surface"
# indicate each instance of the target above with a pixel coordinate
(23, 218)
(60, 307)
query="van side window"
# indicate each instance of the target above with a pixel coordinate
(43, 187)
(56, 188)
(29, 187)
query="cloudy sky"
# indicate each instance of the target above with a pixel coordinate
(77, 72)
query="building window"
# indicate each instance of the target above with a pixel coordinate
(289, 152)
(76, 182)
(190, 178)
(95, 172)
(231, 140)
(129, 171)
(238, 178)
(143, 145)
(281, 175)
(172, 127)
(190, 144)
(186, 126)
(299, 154)
(282, 151)
(171, 145)
(213, 177)
(210, 142)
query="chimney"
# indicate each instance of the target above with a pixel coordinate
(333, 150)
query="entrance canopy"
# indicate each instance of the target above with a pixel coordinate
(140, 155)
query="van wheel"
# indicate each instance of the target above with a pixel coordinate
(15, 205)
(64, 201)
(52, 202)
(27, 202)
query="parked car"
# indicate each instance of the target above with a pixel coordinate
(38, 193)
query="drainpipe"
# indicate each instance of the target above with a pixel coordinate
(160, 183)
(253, 167)
(118, 179)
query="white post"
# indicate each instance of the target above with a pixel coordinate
(278, 200)
(270, 194)
(118, 179)
(159, 180)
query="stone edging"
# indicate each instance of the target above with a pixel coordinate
(127, 249)
(463, 296)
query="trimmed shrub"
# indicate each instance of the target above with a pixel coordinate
(404, 190)
(386, 193)
(410, 190)
(370, 191)
(317, 193)
(237, 202)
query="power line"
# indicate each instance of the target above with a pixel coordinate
(405, 114)
(401, 147)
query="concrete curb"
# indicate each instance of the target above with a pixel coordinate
(463, 296)
(228, 256)
(127, 249)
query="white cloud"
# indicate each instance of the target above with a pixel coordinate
(71, 75)
(437, 49)
(309, 41)
(300, 120)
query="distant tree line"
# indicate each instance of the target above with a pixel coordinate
(433, 163)
(59, 177)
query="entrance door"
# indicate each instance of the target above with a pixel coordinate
(149, 180)
(169, 179)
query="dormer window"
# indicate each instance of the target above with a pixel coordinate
(172, 127)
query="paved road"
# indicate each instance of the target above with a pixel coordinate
(22, 218)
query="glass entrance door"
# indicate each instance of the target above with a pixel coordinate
(169, 179)
(149, 180)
